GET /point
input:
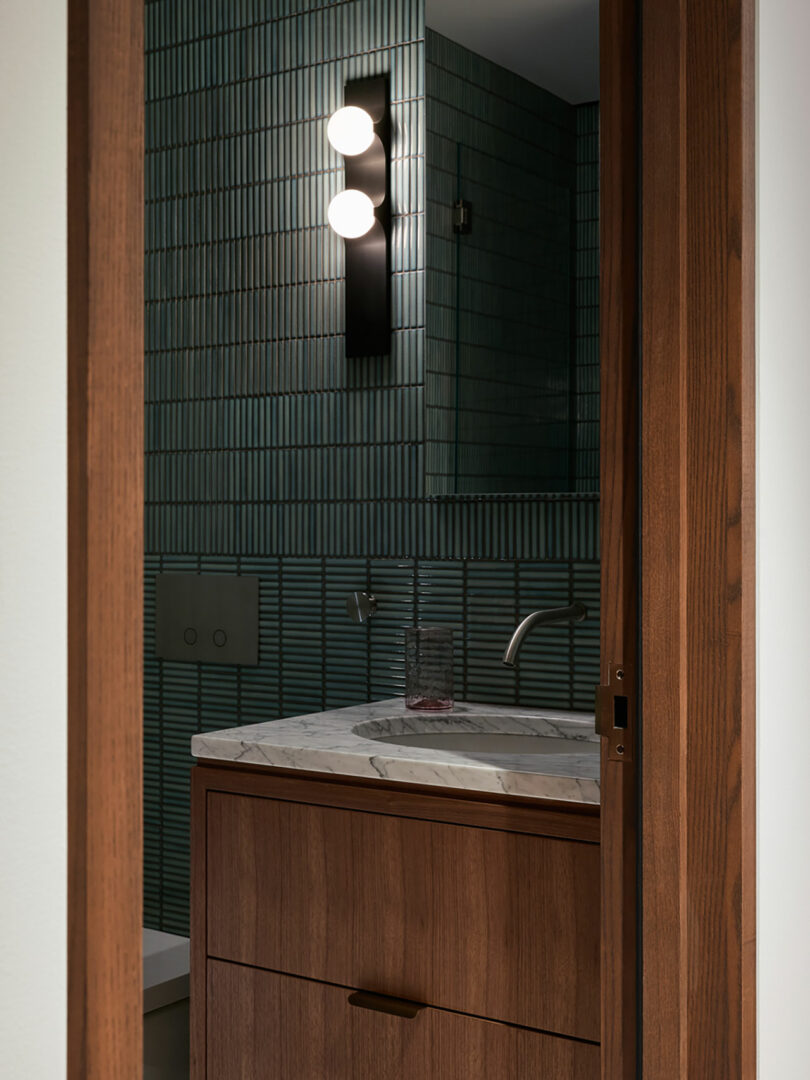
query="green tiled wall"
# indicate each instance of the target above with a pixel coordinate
(267, 452)
(500, 298)
(512, 320)
(312, 658)
(587, 299)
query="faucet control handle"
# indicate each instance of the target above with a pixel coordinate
(361, 606)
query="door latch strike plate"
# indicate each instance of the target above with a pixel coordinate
(615, 712)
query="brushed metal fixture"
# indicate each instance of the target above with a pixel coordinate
(615, 712)
(361, 606)
(575, 612)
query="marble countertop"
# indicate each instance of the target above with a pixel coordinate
(326, 742)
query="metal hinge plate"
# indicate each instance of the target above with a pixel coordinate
(615, 712)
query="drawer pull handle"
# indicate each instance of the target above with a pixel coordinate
(408, 1010)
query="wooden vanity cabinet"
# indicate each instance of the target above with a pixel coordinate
(319, 906)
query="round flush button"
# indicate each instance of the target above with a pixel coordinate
(220, 638)
(190, 636)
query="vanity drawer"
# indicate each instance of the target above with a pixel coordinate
(498, 924)
(266, 1026)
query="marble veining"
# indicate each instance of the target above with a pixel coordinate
(329, 742)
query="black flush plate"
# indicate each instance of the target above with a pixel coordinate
(210, 618)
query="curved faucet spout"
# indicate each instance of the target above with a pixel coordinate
(573, 613)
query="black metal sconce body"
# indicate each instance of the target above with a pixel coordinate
(368, 258)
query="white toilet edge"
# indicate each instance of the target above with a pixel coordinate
(165, 969)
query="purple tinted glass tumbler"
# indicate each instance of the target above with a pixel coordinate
(429, 668)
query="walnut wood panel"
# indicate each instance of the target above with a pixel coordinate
(198, 943)
(541, 817)
(267, 1026)
(105, 546)
(496, 924)
(618, 306)
(698, 539)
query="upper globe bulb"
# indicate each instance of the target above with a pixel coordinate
(351, 214)
(350, 131)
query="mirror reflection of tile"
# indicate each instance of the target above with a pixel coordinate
(512, 321)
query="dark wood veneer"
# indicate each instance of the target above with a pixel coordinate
(539, 817)
(482, 921)
(396, 892)
(305, 1030)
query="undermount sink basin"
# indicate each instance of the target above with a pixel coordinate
(488, 742)
(475, 734)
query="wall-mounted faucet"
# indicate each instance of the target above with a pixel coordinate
(574, 613)
(361, 606)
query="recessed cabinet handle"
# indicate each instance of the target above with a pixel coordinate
(408, 1010)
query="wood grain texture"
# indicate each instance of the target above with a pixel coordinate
(618, 306)
(496, 924)
(266, 1026)
(198, 945)
(540, 817)
(105, 542)
(663, 616)
(698, 540)
(746, 162)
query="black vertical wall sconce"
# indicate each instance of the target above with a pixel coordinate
(361, 214)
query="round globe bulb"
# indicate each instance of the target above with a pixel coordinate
(351, 214)
(350, 131)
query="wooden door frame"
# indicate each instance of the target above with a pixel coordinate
(696, 667)
(698, 653)
(619, 547)
(105, 537)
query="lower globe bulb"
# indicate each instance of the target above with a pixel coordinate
(351, 214)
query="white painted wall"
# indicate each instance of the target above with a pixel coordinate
(33, 636)
(783, 561)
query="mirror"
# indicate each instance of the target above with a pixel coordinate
(512, 258)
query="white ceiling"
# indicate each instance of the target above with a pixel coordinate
(554, 43)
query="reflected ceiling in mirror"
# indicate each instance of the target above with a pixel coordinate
(552, 43)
